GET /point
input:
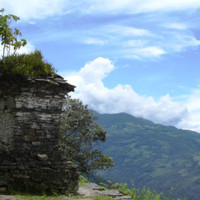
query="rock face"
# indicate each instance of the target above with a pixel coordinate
(30, 113)
(92, 189)
(6, 197)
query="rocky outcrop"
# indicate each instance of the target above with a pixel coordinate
(8, 197)
(92, 189)
(30, 157)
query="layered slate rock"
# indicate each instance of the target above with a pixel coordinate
(92, 189)
(30, 112)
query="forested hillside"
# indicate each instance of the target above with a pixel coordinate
(159, 157)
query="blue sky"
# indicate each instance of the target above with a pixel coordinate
(134, 56)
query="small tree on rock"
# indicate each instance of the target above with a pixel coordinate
(9, 36)
(80, 135)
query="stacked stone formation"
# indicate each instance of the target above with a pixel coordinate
(30, 158)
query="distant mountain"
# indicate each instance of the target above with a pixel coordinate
(152, 155)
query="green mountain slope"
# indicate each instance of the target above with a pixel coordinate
(159, 157)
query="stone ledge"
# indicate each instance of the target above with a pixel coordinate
(7, 197)
(92, 189)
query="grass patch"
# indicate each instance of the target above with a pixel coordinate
(82, 180)
(17, 67)
(137, 194)
(102, 198)
(43, 197)
(60, 197)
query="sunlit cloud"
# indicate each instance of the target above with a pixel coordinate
(192, 121)
(122, 98)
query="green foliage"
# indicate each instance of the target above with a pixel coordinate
(26, 65)
(82, 180)
(159, 157)
(30, 189)
(9, 36)
(102, 198)
(43, 197)
(143, 194)
(139, 194)
(79, 136)
(14, 67)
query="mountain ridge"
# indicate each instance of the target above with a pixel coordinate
(157, 156)
(140, 119)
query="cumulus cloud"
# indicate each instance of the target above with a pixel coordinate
(192, 121)
(122, 98)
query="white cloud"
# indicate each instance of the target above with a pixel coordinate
(92, 73)
(34, 9)
(181, 42)
(122, 98)
(26, 49)
(178, 26)
(94, 41)
(135, 43)
(151, 51)
(127, 30)
(138, 6)
(129, 42)
(192, 121)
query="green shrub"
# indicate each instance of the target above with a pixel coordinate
(137, 194)
(82, 180)
(24, 66)
(79, 137)
(41, 197)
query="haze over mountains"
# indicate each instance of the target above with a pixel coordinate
(152, 155)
